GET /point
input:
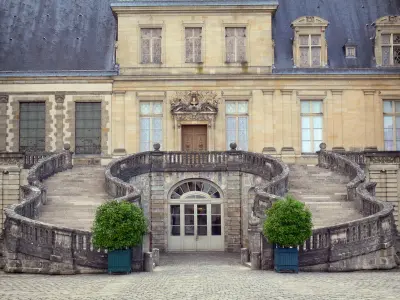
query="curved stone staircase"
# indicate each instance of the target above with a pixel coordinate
(324, 192)
(73, 196)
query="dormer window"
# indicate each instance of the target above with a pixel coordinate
(309, 45)
(350, 49)
(387, 41)
(390, 49)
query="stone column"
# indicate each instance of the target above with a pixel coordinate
(59, 121)
(3, 121)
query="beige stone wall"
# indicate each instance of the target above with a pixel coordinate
(59, 96)
(352, 109)
(259, 50)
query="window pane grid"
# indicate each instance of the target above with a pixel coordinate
(310, 50)
(391, 125)
(390, 44)
(235, 40)
(32, 126)
(311, 126)
(151, 127)
(151, 45)
(237, 124)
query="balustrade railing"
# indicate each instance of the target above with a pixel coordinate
(23, 234)
(375, 231)
(269, 168)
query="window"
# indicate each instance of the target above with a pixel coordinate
(309, 45)
(88, 127)
(350, 52)
(151, 116)
(193, 44)
(310, 50)
(390, 49)
(235, 40)
(237, 124)
(151, 45)
(391, 125)
(311, 126)
(32, 126)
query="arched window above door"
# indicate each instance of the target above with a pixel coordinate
(195, 189)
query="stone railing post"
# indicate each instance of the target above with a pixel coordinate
(62, 257)
(59, 120)
(321, 157)
(68, 163)
(156, 159)
(254, 232)
(233, 158)
(12, 234)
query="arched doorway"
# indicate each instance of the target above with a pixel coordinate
(195, 217)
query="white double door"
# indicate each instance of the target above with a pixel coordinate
(196, 227)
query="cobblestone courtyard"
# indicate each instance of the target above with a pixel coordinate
(204, 276)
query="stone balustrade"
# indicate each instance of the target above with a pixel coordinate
(31, 246)
(267, 167)
(367, 243)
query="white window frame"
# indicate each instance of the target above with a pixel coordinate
(311, 115)
(152, 27)
(237, 116)
(391, 45)
(393, 115)
(192, 40)
(309, 50)
(150, 116)
(246, 43)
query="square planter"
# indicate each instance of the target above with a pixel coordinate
(120, 261)
(286, 259)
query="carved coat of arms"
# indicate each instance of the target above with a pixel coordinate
(192, 102)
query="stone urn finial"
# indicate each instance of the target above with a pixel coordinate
(233, 146)
(322, 146)
(156, 146)
(67, 146)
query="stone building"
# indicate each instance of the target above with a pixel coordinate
(114, 77)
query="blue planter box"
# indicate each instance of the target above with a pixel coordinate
(286, 259)
(119, 261)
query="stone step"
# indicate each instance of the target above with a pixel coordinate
(73, 197)
(324, 192)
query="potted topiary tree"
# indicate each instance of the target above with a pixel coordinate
(119, 226)
(288, 225)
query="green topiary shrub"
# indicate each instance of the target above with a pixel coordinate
(288, 223)
(118, 225)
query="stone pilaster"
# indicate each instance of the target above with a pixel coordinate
(9, 188)
(233, 227)
(59, 121)
(3, 121)
(157, 211)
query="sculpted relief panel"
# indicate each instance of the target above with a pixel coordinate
(195, 106)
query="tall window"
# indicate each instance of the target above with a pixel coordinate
(235, 40)
(237, 124)
(391, 125)
(311, 126)
(310, 50)
(88, 127)
(32, 128)
(390, 49)
(151, 114)
(193, 44)
(151, 45)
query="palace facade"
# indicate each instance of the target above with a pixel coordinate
(279, 77)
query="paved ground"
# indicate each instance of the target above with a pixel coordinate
(204, 276)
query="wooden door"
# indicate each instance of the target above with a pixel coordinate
(194, 138)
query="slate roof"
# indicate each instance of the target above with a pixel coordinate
(79, 35)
